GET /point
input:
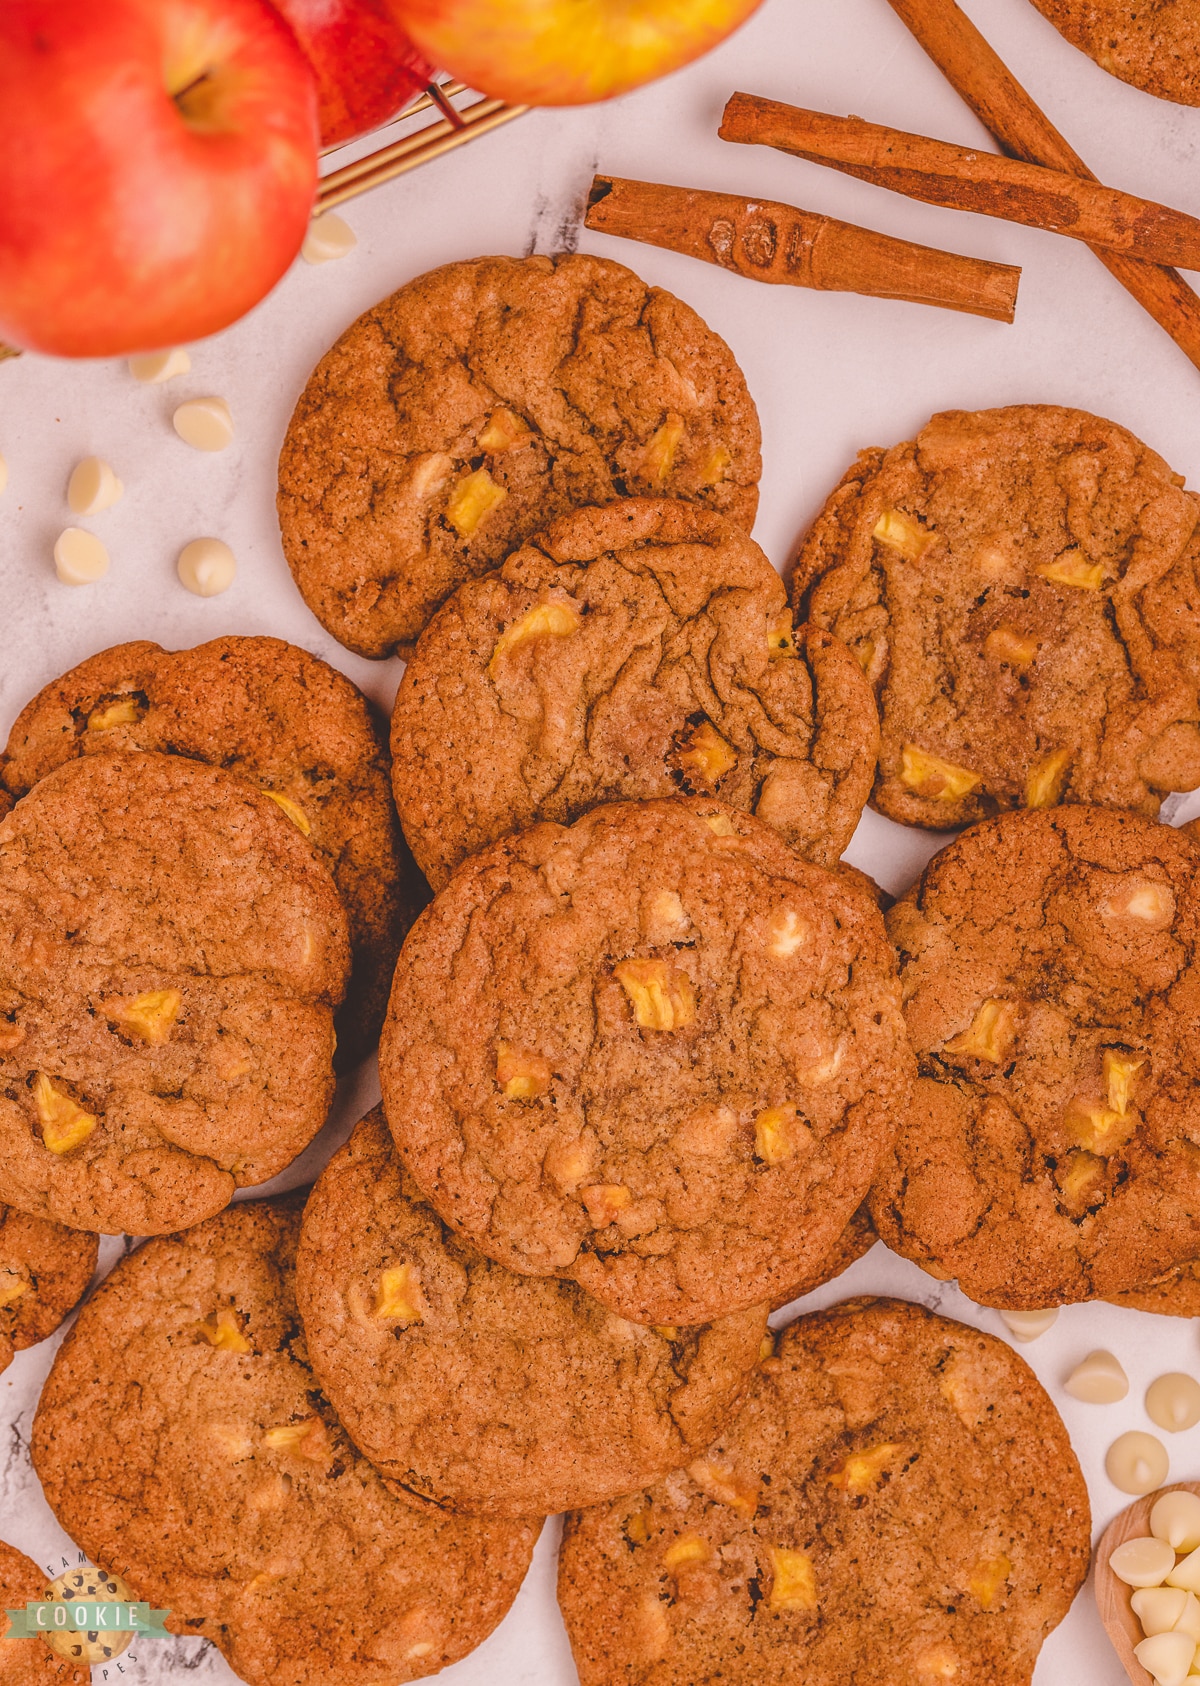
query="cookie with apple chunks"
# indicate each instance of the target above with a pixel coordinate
(1156, 48)
(29, 1662)
(656, 1052)
(897, 1500)
(183, 1440)
(171, 954)
(1021, 591)
(1175, 1294)
(44, 1269)
(484, 399)
(286, 721)
(633, 651)
(1052, 1150)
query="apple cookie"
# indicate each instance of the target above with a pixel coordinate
(855, 1241)
(1174, 1294)
(171, 955)
(1155, 47)
(656, 1052)
(633, 651)
(29, 1662)
(1052, 1149)
(1021, 592)
(182, 1439)
(286, 721)
(897, 1500)
(460, 415)
(44, 1269)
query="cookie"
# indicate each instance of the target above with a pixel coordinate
(557, 1403)
(897, 1501)
(171, 955)
(29, 1662)
(482, 400)
(183, 1442)
(44, 1269)
(1052, 1149)
(1156, 47)
(655, 1051)
(286, 721)
(855, 1241)
(1020, 589)
(1176, 1294)
(633, 651)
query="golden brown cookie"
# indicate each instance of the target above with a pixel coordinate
(633, 651)
(44, 1269)
(279, 717)
(1051, 986)
(557, 1402)
(1177, 1294)
(478, 403)
(184, 1443)
(29, 1662)
(1154, 46)
(1020, 589)
(855, 1241)
(171, 954)
(656, 1052)
(897, 1501)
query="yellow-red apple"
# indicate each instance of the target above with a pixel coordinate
(367, 69)
(158, 170)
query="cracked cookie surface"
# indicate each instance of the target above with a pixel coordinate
(1174, 1294)
(557, 1402)
(171, 955)
(1156, 47)
(479, 402)
(1021, 589)
(1052, 1150)
(279, 717)
(897, 1500)
(183, 1441)
(655, 1051)
(639, 650)
(29, 1662)
(44, 1269)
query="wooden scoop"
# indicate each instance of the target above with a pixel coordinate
(1112, 1595)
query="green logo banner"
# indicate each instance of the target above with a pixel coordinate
(86, 1615)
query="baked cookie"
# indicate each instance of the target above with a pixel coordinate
(44, 1269)
(1020, 589)
(183, 1441)
(286, 721)
(29, 1662)
(656, 1052)
(633, 651)
(171, 954)
(482, 400)
(1155, 46)
(557, 1403)
(855, 1241)
(1177, 1294)
(897, 1501)
(1052, 1149)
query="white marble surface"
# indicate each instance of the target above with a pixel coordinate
(830, 374)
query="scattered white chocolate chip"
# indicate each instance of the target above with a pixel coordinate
(1158, 1608)
(79, 557)
(1176, 1519)
(1143, 1562)
(1167, 1656)
(1028, 1325)
(1173, 1402)
(207, 567)
(328, 237)
(1136, 1463)
(93, 487)
(204, 423)
(154, 367)
(1098, 1379)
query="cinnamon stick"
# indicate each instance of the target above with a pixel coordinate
(966, 179)
(984, 81)
(777, 243)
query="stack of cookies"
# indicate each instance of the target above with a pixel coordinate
(652, 1062)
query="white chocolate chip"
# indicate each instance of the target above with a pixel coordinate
(79, 557)
(1099, 1380)
(1176, 1519)
(1028, 1325)
(1189, 1621)
(93, 487)
(207, 567)
(1158, 1608)
(157, 366)
(1136, 1463)
(1173, 1402)
(328, 237)
(1143, 1562)
(1167, 1656)
(204, 423)
(1186, 1572)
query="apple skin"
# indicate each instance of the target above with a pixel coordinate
(131, 219)
(566, 52)
(367, 69)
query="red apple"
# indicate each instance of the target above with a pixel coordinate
(367, 68)
(566, 52)
(157, 170)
